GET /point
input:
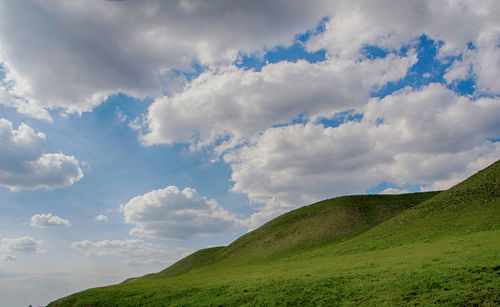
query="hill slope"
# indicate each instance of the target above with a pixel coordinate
(318, 224)
(307, 227)
(470, 206)
(197, 259)
(445, 250)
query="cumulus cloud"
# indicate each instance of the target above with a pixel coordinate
(8, 98)
(394, 191)
(22, 245)
(175, 214)
(48, 220)
(82, 51)
(425, 136)
(108, 247)
(482, 63)
(24, 165)
(101, 218)
(390, 25)
(240, 103)
(131, 251)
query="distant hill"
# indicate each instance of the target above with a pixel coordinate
(410, 249)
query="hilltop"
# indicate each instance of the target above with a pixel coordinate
(422, 248)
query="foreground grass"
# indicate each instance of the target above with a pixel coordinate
(455, 270)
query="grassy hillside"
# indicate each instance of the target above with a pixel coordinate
(445, 250)
(311, 226)
(470, 206)
(315, 225)
(195, 260)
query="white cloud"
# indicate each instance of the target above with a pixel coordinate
(391, 24)
(240, 103)
(101, 218)
(426, 136)
(485, 159)
(172, 213)
(24, 165)
(481, 63)
(108, 247)
(131, 251)
(394, 191)
(8, 98)
(82, 51)
(48, 220)
(22, 106)
(22, 245)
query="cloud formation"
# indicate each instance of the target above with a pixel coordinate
(390, 25)
(25, 166)
(101, 218)
(23, 106)
(48, 220)
(410, 137)
(108, 247)
(239, 103)
(22, 245)
(131, 251)
(83, 51)
(481, 63)
(394, 191)
(170, 213)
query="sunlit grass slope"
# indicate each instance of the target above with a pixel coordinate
(445, 250)
(311, 226)
(195, 260)
(315, 225)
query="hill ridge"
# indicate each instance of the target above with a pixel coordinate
(339, 218)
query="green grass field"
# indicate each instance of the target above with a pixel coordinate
(413, 249)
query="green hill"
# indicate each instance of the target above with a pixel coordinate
(195, 260)
(315, 225)
(414, 249)
(311, 226)
(470, 206)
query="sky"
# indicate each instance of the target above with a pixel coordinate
(133, 133)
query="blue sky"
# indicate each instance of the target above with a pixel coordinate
(129, 140)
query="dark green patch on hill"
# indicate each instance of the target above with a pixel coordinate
(318, 224)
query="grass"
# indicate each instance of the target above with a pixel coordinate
(322, 223)
(443, 251)
(196, 259)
